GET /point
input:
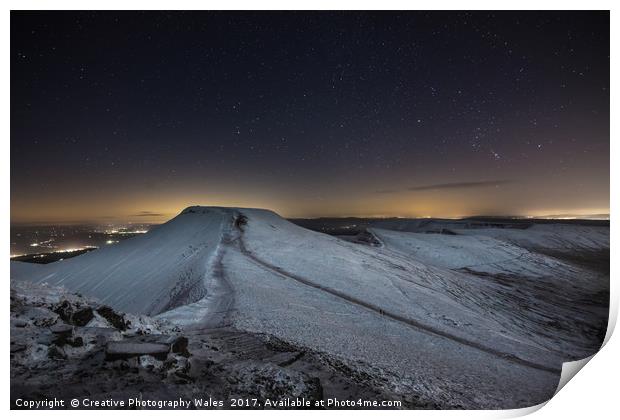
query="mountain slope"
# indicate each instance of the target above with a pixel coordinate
(148, 274)
(416, 320)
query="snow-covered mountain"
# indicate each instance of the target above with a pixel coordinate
(480, 318)
(146, 274)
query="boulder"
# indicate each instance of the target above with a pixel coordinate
(75, 342)
(64, 309)
(241, 221)
(56, 353)
(82, 316)
(62, 334)
(116, 320)
(73, 314)
(179, 346)
(61, 329)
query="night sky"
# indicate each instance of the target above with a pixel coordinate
(133, 116)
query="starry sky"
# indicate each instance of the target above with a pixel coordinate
(132, 116)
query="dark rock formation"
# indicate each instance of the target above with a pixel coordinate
(116, 320)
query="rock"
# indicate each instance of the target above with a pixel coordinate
(175, 363)
(315, 389)
(150, 363)
(20, 323)
(41, 316)
(62, 334)
(116, 350)
(64, 310)
(181, 378)
(269, 381)
(241, 221)
(45, 338)
(72, 314)
(179, 346)
(15, 348)
(116, 320)
(76, 342)
(82, 316)
(56, 353)
(178, 369)
(62, 329)
(287, 359)
(102, 336)
(119, 365)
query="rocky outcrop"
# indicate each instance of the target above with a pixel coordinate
(122, 354)
(74, 314)
(117, 320)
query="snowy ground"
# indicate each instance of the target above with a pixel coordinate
(481, 319)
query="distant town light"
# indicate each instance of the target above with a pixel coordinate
(74, 249)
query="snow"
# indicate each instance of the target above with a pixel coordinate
(481, 250)
(526, 291)
(480, 317)
(551, 236)
(148, 274)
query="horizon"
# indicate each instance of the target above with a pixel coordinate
(164, 218)
(38, 239)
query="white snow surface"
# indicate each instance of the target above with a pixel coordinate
(550, 236)
(434, 314)
(481, 250)
(147, 274)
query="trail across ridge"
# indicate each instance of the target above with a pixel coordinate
(396, 317)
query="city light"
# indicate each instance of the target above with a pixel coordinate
(58, 251)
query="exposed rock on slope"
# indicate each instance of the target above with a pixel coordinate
(53, 359)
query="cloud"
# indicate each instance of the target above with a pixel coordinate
(451, 186)
(147, 214)
(460, 185)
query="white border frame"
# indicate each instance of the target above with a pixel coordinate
(592, 395)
